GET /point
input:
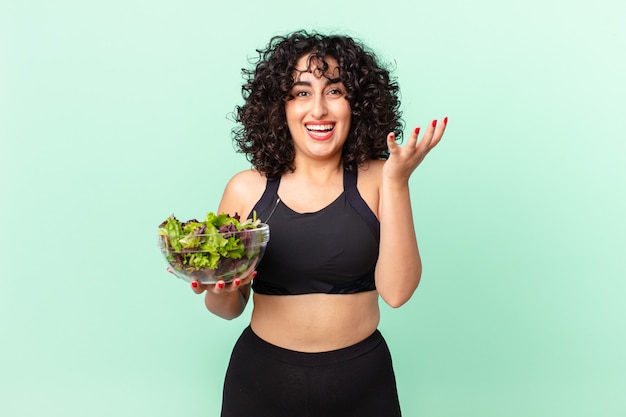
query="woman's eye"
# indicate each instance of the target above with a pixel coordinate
(335, 91)
(301, 94)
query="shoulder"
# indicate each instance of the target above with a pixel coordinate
(370, 174)
(242, 191)
(247, 180)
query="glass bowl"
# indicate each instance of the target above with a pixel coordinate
(190, 264)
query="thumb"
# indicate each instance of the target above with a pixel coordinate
(391, 142)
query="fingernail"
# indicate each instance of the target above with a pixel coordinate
(220, 285)
(237, 282)
(445, 120)
(170, 270)
(194, 284)
(254, 274)
(392, 135)
(434, 123)
(417, 130)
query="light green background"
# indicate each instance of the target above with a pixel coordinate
(114, 114)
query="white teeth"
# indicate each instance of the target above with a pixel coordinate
(319, 127)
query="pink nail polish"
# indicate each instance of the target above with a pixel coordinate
(194, 284)
(434, 123)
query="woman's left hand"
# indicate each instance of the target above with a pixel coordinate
(404, 159)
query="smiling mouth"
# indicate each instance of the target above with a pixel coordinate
(320, 128)
(320, 131)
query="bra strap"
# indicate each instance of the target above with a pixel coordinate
(357, 202)
(267, 200)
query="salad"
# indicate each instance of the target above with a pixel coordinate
(219, 247)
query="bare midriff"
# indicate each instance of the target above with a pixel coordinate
(315, 322)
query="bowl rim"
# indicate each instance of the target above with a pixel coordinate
(261, 228)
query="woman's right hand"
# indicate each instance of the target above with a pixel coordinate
(221, 287)
(226, 300)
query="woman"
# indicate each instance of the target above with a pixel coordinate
(329, 178)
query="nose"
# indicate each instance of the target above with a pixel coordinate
(319, 109)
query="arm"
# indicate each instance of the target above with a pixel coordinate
(399, 266)
(229, 300)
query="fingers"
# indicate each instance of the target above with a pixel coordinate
(412, 143)
(438, 132)
(220, 286)
(432, 136)
(217, 288)
(197, 287)
(435, 132)
(404, 159)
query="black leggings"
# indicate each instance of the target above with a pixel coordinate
(264, 380)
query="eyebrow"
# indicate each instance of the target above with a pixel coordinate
(329, 81)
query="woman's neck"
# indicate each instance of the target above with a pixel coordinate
(320, 169)
(317, 173)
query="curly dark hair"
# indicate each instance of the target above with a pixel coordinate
(373, 95)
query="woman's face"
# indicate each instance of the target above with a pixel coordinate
(318, 115)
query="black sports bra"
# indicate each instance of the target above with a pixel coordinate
(333, 250)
